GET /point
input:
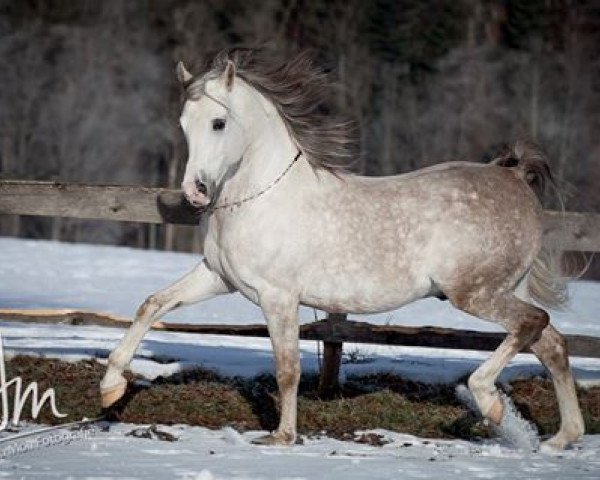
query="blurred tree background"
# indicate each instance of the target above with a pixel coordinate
(88, 91)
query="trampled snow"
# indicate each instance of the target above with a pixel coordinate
(202, 454)
(39, 274)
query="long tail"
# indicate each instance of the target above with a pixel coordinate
(547, 279)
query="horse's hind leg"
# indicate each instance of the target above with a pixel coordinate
(524, 323)
(551, 349)
(200, 284)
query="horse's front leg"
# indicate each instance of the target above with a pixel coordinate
(200, 284)
(281, 312)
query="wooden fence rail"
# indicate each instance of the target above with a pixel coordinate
(332, 330)
(105, 202)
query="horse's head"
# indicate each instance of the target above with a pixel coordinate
(251, 104)
(216, 138)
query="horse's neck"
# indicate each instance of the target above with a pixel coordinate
(266, 159)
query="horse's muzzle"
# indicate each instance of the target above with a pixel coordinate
(196, 193)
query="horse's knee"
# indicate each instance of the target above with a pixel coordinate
(150, 306)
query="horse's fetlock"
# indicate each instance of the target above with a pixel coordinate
(576, 431)
(287, 437)
(113, 360)
(574, 427)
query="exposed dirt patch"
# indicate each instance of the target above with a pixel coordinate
(202, 397)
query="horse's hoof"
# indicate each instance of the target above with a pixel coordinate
(496, 412)
(274, 439)
(557, 443)
(110, 395)
(551, 448)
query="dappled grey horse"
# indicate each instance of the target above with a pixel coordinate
(284, 224)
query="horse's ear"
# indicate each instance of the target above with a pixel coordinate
(229, 74)
(182, 74)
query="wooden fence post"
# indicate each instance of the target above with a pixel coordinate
(332, 358)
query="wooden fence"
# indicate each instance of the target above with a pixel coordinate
(576, 231)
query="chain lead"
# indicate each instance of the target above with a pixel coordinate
(239, 203)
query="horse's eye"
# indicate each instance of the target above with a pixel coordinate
(218, 124)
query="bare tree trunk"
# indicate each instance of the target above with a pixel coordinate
(535, 95)
(152, 234)
(196, 241)
(170, 230)
(57, 223)
(572, 58)
(12, 223)
(173, 174)
(140, 234)
(473, 23)
(389, 119)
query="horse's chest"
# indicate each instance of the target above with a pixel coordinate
(232, 255)
(214, 253)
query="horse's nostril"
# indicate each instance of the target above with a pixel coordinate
(200, 186)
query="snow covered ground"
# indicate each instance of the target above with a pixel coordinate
(112, 279)
(202, 454)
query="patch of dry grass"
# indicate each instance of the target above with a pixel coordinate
(537, 402)
(201, 397)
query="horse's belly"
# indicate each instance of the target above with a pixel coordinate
(356, 295)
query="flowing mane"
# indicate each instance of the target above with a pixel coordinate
(299, 90)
